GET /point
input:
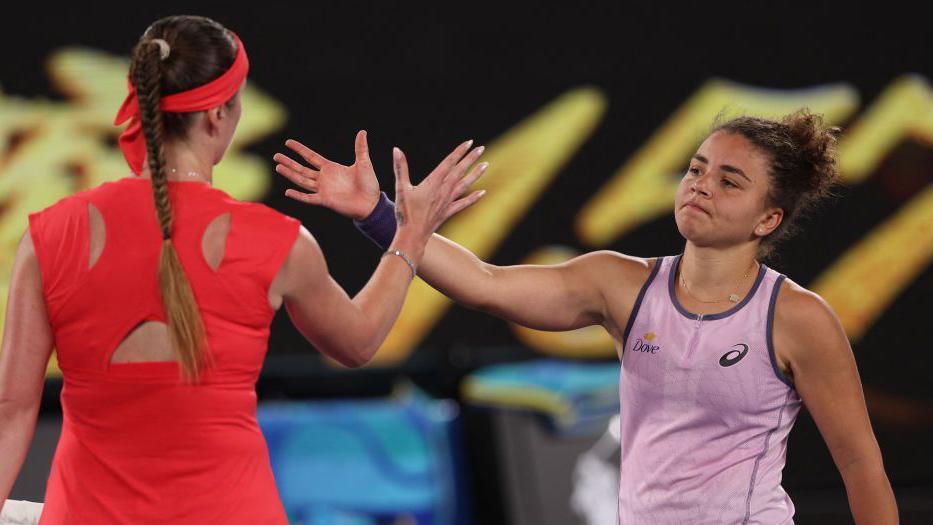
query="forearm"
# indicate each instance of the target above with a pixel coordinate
(871, 499)
(448, 267)
(380, 301)
(17, 425)
(459, 274)
(542, 297)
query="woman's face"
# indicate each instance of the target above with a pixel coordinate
(722, 199)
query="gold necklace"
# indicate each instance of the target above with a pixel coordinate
(733, 297)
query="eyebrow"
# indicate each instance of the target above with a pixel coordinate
(725, 167)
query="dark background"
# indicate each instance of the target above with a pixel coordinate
(425, 77)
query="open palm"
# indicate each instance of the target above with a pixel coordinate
(352, 191)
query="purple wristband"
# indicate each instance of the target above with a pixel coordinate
(380, 226)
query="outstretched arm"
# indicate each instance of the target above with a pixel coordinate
(545, 297)
(557, 297)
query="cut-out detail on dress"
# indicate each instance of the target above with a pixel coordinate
(98, 237)
(147, 342)
(214, 241)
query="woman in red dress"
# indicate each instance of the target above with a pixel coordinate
(157, 292)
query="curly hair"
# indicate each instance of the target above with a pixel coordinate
(801, 151)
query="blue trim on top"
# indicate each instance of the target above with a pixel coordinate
(641, 295)
(769, 335)
(710, 317)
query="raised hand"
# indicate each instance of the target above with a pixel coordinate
(352, 191)
(426, 206)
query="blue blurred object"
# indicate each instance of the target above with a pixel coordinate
(575, 397)
(367, 462)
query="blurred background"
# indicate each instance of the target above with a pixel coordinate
(590, 112)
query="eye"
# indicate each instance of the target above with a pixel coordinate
(693, 170)
(728, 183)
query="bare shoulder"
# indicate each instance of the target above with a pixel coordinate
(798, 308)
(806, 329)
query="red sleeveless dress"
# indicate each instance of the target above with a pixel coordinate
(138, 445)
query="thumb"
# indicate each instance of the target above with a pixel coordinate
(400, 164)
(362, 148)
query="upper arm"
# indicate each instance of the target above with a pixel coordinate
(27, 335)
(567, 296)
(825, 374)
(318, 307)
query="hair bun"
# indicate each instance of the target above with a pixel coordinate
(815, 144)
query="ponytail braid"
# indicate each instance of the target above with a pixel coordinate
(184, 318)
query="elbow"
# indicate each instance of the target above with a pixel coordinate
(356, 354)
(360, 356)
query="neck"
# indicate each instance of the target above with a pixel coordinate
(188, 165)
(716, 269)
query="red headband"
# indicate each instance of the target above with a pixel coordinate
(210, 95)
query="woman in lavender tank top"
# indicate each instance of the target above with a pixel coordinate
(718, 351)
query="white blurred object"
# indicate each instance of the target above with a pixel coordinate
(17, 512)
(595, 496)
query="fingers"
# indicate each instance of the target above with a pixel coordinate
(457, 206)
(400, 167)
(362, 148)
(311, 157)
(451, 159)
(298, 177)
(295, 165)
(457, 171)
(471, 178)
(308, 198)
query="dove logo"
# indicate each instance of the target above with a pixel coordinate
(645, 345)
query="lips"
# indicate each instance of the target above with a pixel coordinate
(695, 206)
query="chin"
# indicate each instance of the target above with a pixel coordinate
(689, 227)
(700, 235)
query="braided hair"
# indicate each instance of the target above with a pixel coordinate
(201, 50)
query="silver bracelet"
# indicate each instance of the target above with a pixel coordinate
(405, 258)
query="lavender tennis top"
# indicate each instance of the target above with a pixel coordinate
(705, 411)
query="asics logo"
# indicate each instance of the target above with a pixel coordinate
(734, 355)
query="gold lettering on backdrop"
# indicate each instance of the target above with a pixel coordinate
(49, 149)
(867, 278)
(904, 108)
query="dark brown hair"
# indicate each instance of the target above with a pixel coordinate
(200, 50)
(802, 154)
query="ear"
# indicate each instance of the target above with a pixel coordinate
(214, 119)
(769, 222)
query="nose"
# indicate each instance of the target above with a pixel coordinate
(701, 185)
